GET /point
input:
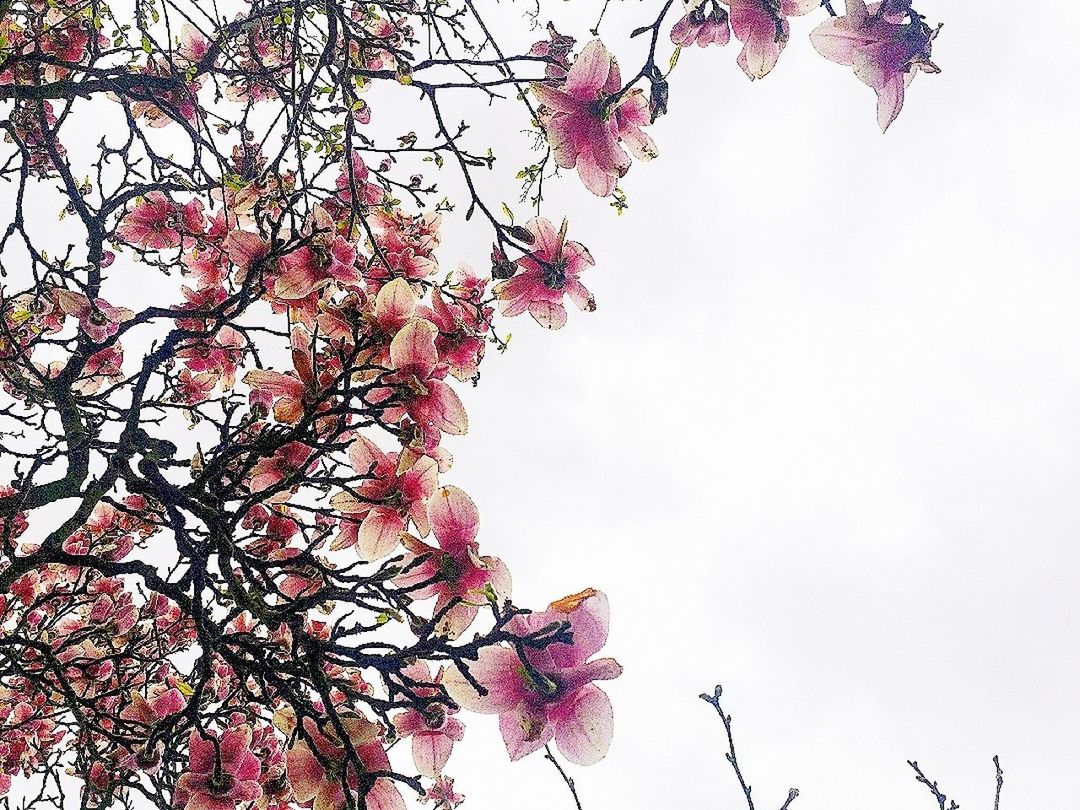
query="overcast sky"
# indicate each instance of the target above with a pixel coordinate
(820, 441)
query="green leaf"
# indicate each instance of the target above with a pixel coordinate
(674, 60)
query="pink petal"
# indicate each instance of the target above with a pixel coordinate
(583, 729)
(590, 70)
(589, 626)
(454, 518)
(297, 280)
(524, 730)
(413, 348)
(304, 771)
(170, 702)
(548, 241)
(445, 409)
(602, 669)
(430, 753)
(200, 753)
(577, 293)
(384, 796)
(364, 455)
(458, 618)
(554, 98)
(514, 295)
(499, 576)
(394, 304)
(796, 8)
(244, 249)
(408, 723)
(496, 669)
(236, 756)
(549, 314)
(837, 40)
(274, 382)
(598, 180)
(380, 534)
(890, 101)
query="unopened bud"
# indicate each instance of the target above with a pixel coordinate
(522, 234)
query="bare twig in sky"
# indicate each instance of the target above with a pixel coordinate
(714, 701)
(550, 757)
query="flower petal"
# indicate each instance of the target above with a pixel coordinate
(590, 70)
(496, 669)
(380, 534)
(413, 348)
(454, 518)
(524, 730)
(430, 753)
(583, 729)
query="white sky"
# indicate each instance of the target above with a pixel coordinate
(820, 441)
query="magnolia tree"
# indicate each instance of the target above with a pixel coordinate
(234, 570)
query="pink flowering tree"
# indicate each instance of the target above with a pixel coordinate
(234, 568)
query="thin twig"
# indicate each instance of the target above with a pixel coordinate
(714, 701)
(1000, 776)
(550, 757)
(932, 786)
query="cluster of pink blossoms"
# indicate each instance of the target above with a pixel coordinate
(373, 340)
(406, 339)
(548, 692)
(886, 43)
(589, 113)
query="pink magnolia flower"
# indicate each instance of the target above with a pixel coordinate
(405, 243)
(702, 28)
(145, 712)
(545, 275)
(193, 45)
(157, 223)
(311, 267)
(460, 342)
(104, 367)
(65, 41)
(325, 257)
(202, 305)
(354, 176)
(556, 49)
(219, 776)
(295, 391)
(433, 730)
(762, 27)
(394, 307)
(587, 116)
(454, 571)
(99, 319)
(551, 693)
(442, 793)
(321, 787)
(397, 491)
(418, 378)
(245, 249)
(285, 463)
(193, 389)
(886, 44)
(220, 355)
(160, 702)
